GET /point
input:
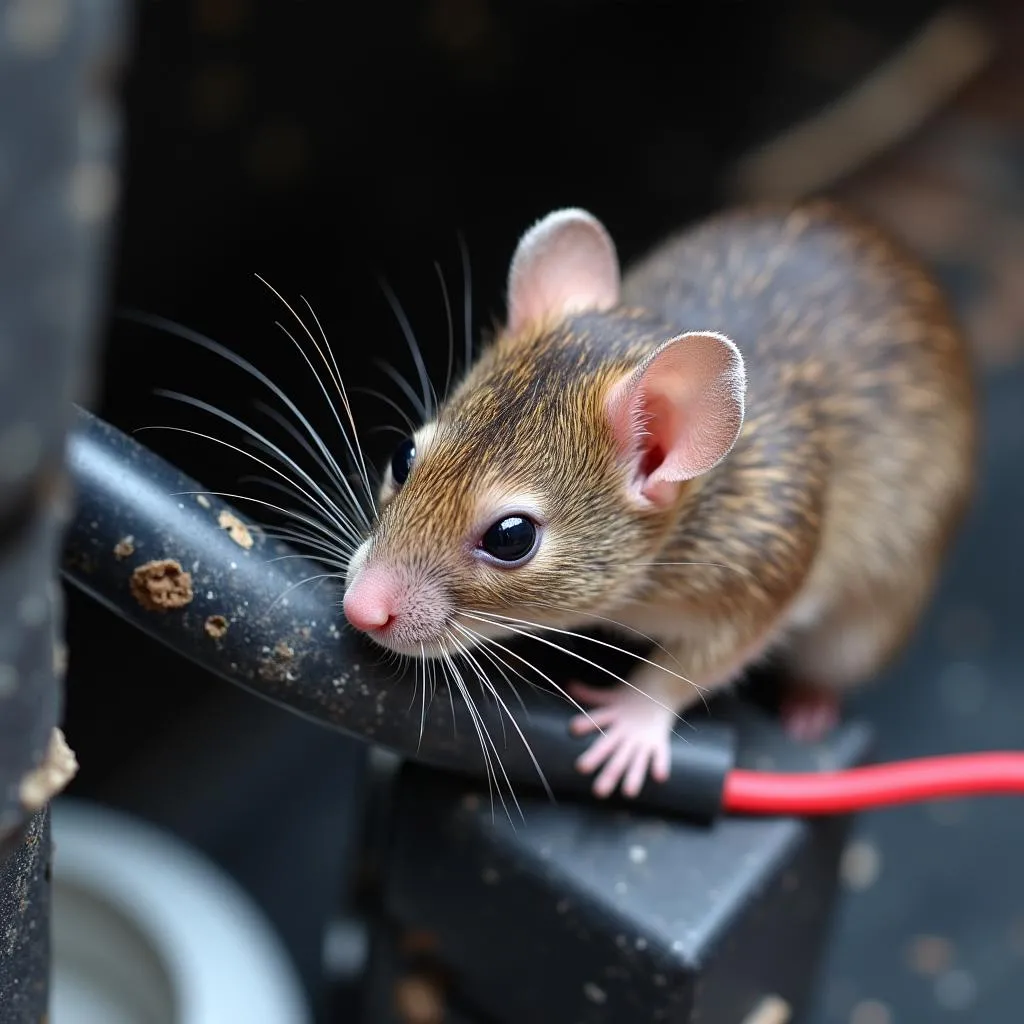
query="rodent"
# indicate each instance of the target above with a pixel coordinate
(761, 440)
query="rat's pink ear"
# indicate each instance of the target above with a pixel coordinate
(566, 263)
(679, 413)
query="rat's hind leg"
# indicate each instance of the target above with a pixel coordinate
(847, 646)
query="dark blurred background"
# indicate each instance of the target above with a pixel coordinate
(322, 145)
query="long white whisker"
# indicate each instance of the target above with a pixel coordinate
(443, 668)
(578, 657)
(352, 444)
(331, 472)
(330, 364)
(187, 334)
(342, 526)
(336, 563)
(326, 560)
(328, 506)
(466, 653)
(463, 652)
(336, 555)
(499, 619)
(497, 755)
(352, 530)
(337, 514)
(547, 679)
(613, 622)
(302, 583)
(442, 664)
(339, 381)
(480, 732)
(501, 666)
(415, 680)
(499, 663)
(291, 513)
(414, 348)
(451, 329)
(326, 549)
(496, 667)
(423, 699)
(467, 300)
(351, 535)
(391, 402)
(388, 428)
(405, 387)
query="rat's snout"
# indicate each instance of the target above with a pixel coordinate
(371, 602)
(398, 607)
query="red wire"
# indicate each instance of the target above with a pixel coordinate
(858, 789)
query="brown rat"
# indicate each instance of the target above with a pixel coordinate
(761, 440)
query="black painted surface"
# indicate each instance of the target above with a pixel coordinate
(581, 915)
(25, 925)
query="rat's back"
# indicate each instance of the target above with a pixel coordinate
(859, 407)
(825, 308)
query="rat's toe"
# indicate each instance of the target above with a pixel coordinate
(809, 716)
(597, 753)
(636, 773)
(596, 695)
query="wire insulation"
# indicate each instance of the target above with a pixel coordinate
(885, 785)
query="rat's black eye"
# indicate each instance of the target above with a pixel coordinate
(511, 539)
(401, 461)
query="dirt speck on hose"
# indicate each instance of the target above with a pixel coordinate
(161, 585)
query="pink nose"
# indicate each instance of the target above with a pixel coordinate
(369, 604)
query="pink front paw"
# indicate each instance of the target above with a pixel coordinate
(808, 716)
(636, 738)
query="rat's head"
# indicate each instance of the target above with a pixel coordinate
(549, 479)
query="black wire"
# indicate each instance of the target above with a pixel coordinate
(298, 652)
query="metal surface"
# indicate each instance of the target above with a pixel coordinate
(245, 614)
(58, 184)
(25, 925)
(57, 188)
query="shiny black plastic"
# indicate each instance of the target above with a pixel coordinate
(251, 619)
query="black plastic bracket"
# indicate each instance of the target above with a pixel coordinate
(574, 914)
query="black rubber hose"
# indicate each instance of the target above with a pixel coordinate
(242, 614)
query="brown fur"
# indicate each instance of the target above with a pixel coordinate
(827, 523)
